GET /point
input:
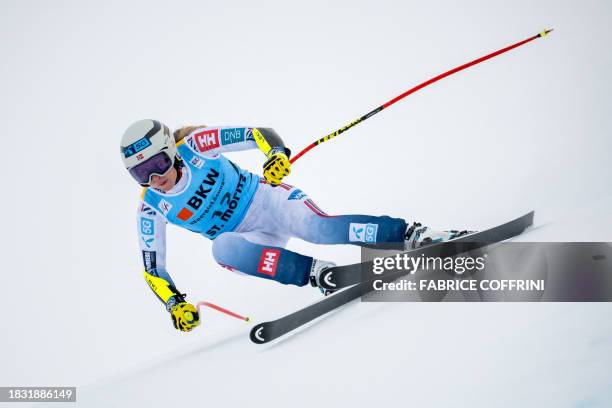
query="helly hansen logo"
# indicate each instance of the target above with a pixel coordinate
(207, 140)
(269, 261)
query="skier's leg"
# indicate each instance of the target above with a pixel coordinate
(286, 209)
(363, 230)
(358, 229)
(262, 255)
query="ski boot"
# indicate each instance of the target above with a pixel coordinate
(418, 236)
(317, 268)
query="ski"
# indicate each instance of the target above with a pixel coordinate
(342, 276)
(267, 331)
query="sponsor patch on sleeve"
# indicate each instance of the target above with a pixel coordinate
(149, 260)
(268, 261)
(232, 135)
(206, 140)
(362, 232)
(147, 241)
(147, 226)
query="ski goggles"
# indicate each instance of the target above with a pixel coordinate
(158, 164)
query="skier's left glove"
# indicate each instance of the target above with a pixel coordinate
(185, 316)
(277, 166)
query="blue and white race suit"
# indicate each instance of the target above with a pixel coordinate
(249, 221)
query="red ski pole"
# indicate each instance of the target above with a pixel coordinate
(222, 310)
(413, 90)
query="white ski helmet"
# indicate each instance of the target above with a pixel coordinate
(147, 148)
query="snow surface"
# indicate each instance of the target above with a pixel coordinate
(527, 130)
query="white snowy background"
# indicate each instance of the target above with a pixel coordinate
(527, 130)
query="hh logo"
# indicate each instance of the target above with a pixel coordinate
(206, 140)
(269, 261)
(362, 232)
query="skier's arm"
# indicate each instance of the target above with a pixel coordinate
(278, 165)
(211, 140)
(268, 140)
(152, 240)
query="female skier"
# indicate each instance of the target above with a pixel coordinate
(188, 182)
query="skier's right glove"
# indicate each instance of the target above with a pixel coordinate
(277, 166)
(184, 315)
